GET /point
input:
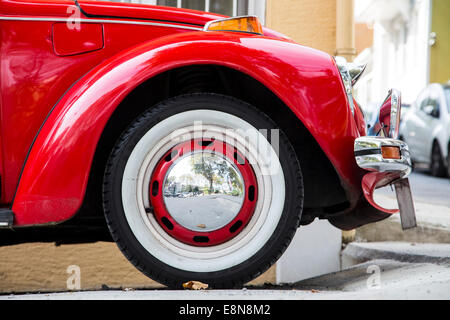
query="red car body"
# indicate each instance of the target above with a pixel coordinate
(60, 87)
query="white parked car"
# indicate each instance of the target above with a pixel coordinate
(426, 129)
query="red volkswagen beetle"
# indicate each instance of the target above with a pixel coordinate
(205, 141)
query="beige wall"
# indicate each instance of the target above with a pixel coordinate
(43, 267)
(363, 37)
(309, 22)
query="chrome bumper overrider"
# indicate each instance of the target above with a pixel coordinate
(368, 155)
(383, 171)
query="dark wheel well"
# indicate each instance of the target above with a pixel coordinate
(323, 191)
(438, 168)
(434, 145)
(448, 158)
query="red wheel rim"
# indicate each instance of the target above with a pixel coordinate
(207, 238)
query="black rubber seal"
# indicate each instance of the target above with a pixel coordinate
(367, 152)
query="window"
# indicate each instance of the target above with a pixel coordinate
(225, 7)
(434, 102)
(422, 100)
(430, 104)
(424, 104)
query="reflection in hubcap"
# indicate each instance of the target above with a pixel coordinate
(203, 191)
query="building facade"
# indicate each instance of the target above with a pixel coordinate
(309, 22)
(409, 50)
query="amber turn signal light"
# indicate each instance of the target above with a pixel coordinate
(391, 152)
(249, 24)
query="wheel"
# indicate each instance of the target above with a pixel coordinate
(448, 161)
(437, 166)
(193, 190)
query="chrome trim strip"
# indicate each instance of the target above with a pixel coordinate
(356, 70)
(343, 68)
(374, 161)
(395, 113)
(51, 19)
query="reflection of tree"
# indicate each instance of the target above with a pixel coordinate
(233, 180)
(205, 166)
(186, 178)
(171, 179)
(215, 170)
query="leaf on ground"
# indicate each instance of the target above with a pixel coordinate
(195, 285)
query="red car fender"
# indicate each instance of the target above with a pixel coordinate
(55, 175)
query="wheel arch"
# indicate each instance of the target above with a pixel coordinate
(67, 142)
(318, 172)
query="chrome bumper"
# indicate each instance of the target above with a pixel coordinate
(385, 171)
(368, 155)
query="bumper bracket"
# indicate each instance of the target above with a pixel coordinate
(405, 204)
(385, 171)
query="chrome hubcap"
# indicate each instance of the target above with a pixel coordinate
(203, 191)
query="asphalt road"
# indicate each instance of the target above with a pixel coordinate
(426, 188)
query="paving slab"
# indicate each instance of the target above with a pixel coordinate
(355, 252)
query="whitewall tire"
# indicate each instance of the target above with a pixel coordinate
(163, 249)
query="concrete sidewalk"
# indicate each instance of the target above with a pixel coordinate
(433, 224)
(385, 270)
(394, 280)
(355, 253)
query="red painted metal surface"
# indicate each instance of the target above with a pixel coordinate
(139, 11)
(374, 180)
(56, 8)
(383, 123)
(33, 78)
(217, 236)
(84, 38)
(310, 85)
(34, 81)
(359, 119)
